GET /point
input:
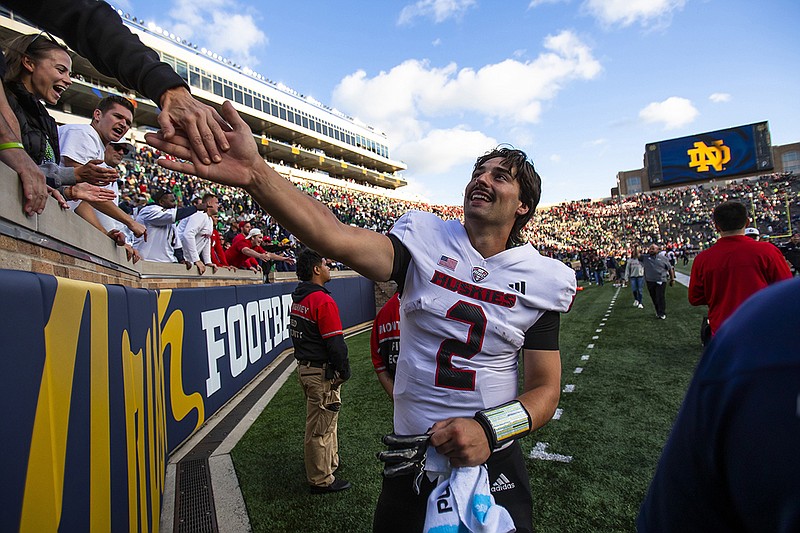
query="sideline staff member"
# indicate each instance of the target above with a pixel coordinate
(384, 343)
(321, 354)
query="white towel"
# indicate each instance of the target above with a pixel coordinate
(464, 504)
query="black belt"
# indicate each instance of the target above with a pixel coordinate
(313, 364)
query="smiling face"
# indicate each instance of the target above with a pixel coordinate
(492, 194)
(112, 124)
(48, 77)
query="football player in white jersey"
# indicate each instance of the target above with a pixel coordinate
(474, 296)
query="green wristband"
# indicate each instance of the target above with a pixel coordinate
(8, 146)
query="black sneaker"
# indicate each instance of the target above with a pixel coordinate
(336, 486)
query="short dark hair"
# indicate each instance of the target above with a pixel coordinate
(730, 215)
(307, 259)
(530, 185)
(108, 102)
(208, 195)
(37, 47)
(158, 194)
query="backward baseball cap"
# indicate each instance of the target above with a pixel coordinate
(253, 233)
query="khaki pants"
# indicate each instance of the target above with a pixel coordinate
(321, 445)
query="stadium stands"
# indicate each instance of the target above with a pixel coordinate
(678, 218)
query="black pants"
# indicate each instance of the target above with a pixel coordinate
(399, 510)
(658, 295)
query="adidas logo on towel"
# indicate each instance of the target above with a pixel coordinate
(502, 483)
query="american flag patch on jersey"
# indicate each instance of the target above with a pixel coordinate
(448, 263)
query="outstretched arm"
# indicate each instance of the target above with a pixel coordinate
(367, 252)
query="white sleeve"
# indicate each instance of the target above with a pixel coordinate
(194, 225)
(76, 144)
(157, 216)
(205, 253)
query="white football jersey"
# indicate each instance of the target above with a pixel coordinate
(463, 320)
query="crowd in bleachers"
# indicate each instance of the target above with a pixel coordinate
(679, 219)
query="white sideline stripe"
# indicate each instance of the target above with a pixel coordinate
(539, 452)
(584, 358)
(589, 346)
(557, 414)
(571, 388)
(577, 370)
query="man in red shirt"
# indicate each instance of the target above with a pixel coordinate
(735, 268)
(245, 253)
(384, 343)
(322, 366)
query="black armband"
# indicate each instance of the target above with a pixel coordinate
(504, 423)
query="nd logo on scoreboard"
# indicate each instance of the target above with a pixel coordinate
(702, 156)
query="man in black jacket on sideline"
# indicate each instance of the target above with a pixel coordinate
(321, 354)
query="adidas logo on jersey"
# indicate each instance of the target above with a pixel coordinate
(502, 483)
(519, 286)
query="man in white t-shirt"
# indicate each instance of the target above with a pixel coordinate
(196, 234)
(81, 143)
(475, 295)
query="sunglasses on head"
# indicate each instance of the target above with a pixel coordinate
(45, 35)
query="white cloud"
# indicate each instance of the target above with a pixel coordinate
(719, 98)
(555, 158)
(627, 12)
(439, 10)
(440, 150)
(436, 42)
(445, 158)
(509, 90)
(211, 23)
(673, 112)
(537, 3)
(596, 142)
(404, 100)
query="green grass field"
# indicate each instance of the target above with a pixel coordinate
(613, 425)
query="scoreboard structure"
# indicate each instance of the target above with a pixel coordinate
(721, 154)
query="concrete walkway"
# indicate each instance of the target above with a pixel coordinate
(217, 438)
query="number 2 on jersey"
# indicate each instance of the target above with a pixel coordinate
(457, 378)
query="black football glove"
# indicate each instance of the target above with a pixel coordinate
(406, 455)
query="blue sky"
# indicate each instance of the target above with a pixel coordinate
(580, 85)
